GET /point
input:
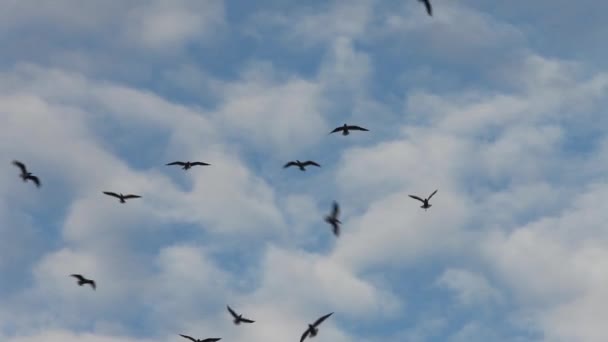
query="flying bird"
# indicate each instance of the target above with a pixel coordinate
(425, 202)
(121, 197)
(187, 165)
(25, 175)
(301, 165)
(427, 4)
(346, 129)
(332, 218)
(205, 340)
(82, 280)
(312, 330)
(238, 319)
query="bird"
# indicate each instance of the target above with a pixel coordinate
(121, 197)
(427, 4)
(332, 218)
(25, 175)
(213, 339)
(301, 165)
(312, 330)
(346, 129)
(425, 201)
(187, 165)
(82, 280)
(238, 318)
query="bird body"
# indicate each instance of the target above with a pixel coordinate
(427, 5)
(332, 218)
(82, 280)
(121, 197)
(238, 318)
(25, 174)
(345, 129)
(301, 165)
(213, 339)
(187, 165)
(313, 329)
(425, 201)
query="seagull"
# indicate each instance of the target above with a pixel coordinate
(238, 318)
(205, 340)
(82, 280)
(427, 4)
(25, 175)
(121, 197)
(187, 165)
(312, 330)
(425, 201)
(333, 218)
(301, 165)
(346, 128)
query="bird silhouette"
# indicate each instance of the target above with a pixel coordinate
(121, 197)
(313, 329)
(187, 165)
(238, 319)
(301, 165)
(82, 280)
(213, 339)
(429, 8)
(425, 202)
(346, 129)
(25, 175)
(332, 218)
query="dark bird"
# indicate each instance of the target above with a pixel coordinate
(301, 165)
(82, 280)
(346, 129)
(213, 339)
(121, 197)
(25, 175)
(425, 202)
(238, 319)
(332, 218)
(427, 4)
(187, 165)
(312, 330)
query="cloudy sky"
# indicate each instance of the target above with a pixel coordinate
(498, 104)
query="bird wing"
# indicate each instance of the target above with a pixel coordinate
(416, 197)
(247, 320)
(291, 163)
(213, 339)
(304, 335)
(335, 210)
(321, 319)
(337, 129)
(427, 4)
(20, 165)
(188, 337)
(310, 162)
(131, 196)
(357, 128)
(35, 180)
(113, 194)
(199, 163)
(336, 229)
(434, 192)
(77, 276)
(234, 314)
(93, 285)
(177, 163)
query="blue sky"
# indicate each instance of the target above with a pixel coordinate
(499, 106)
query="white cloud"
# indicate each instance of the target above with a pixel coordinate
(470, 288)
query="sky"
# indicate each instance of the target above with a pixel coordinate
(498, 105)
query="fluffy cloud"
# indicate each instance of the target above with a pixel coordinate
(514, 141)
